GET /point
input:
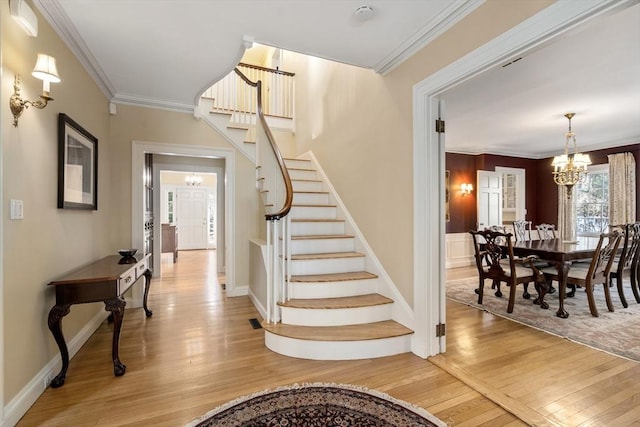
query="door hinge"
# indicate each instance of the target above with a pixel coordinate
(439, 126)
(440, 330)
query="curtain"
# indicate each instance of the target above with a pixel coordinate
(622, 188)
(566, 214)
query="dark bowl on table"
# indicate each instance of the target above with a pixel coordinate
(127, 253)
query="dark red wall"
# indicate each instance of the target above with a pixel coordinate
(462, 210)
(542, 192)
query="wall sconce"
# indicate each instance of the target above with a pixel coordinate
(466, 189)
(44, 70)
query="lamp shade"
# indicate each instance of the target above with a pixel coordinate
(46, 69)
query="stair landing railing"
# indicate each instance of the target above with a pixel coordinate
(276, 190)
(233, 96)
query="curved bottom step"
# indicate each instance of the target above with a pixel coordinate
(351, 342)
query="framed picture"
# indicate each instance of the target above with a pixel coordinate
(77, 166)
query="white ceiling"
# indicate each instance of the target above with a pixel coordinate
(170, 51)
(519, 109)
(167, 52)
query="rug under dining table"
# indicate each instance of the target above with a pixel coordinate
(617, 333)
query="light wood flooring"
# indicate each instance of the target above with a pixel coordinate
(199, 351)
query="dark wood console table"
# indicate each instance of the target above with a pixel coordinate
(104, 280)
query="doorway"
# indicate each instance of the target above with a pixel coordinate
(500, 196)
(429, 149)
(189, 202)
(225, 189)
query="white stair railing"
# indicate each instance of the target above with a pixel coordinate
(274, 185)
(232, 95)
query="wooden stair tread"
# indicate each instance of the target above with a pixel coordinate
(240, 127)
(299, 160)
(321, 236)
(301, 169)
(328, 255)
(367, 331)
(334, 277)
(310, 192)
(312, 206)
(316, 220)
(356, 301)
(306, 180)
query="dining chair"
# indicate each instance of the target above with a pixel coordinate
(546, 231)
(500, 240)
(491, 265)
(522, 230)
(627, 262)
(594, 273)
(522, 233)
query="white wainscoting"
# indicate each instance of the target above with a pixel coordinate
(459, 250)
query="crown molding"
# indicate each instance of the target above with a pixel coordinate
(54, 14)
(440, 23)
(140, 101)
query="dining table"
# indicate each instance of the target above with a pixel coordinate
(561, 253)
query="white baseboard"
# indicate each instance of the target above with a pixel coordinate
(20, 404)
(257, 305)
(239, 291)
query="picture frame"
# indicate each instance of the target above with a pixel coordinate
(77, 166)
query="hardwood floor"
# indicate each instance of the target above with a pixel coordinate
(198, 351)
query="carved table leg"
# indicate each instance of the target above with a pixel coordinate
(116, 307)
(563, 270)
(147, 285)
(56, 314)
(542, 287)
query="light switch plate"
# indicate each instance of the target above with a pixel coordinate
(17, 209)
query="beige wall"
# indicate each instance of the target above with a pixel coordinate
(161, 126)
(49, 241)
(359, 126)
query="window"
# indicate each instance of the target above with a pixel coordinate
(592, 202)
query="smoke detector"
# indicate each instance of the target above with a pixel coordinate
(364, 13)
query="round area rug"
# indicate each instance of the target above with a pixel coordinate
(318, 404)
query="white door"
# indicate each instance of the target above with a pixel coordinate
(191, 218)
(489, 199)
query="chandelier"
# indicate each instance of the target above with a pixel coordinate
(570, 169)
(193, 179)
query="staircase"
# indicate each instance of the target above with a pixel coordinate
(335, 310)
(328, 298)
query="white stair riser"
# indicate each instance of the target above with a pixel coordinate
(314, 212)
(343, 288)
(316, 228)
(299, 164)
(302, 174)
(221, 121)
(311, 198)
(306, 185)
(326, 266)
(337, 350)
(336, 316)
(322, 246)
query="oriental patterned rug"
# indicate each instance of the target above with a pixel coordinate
(616, 333)
(318, 404)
